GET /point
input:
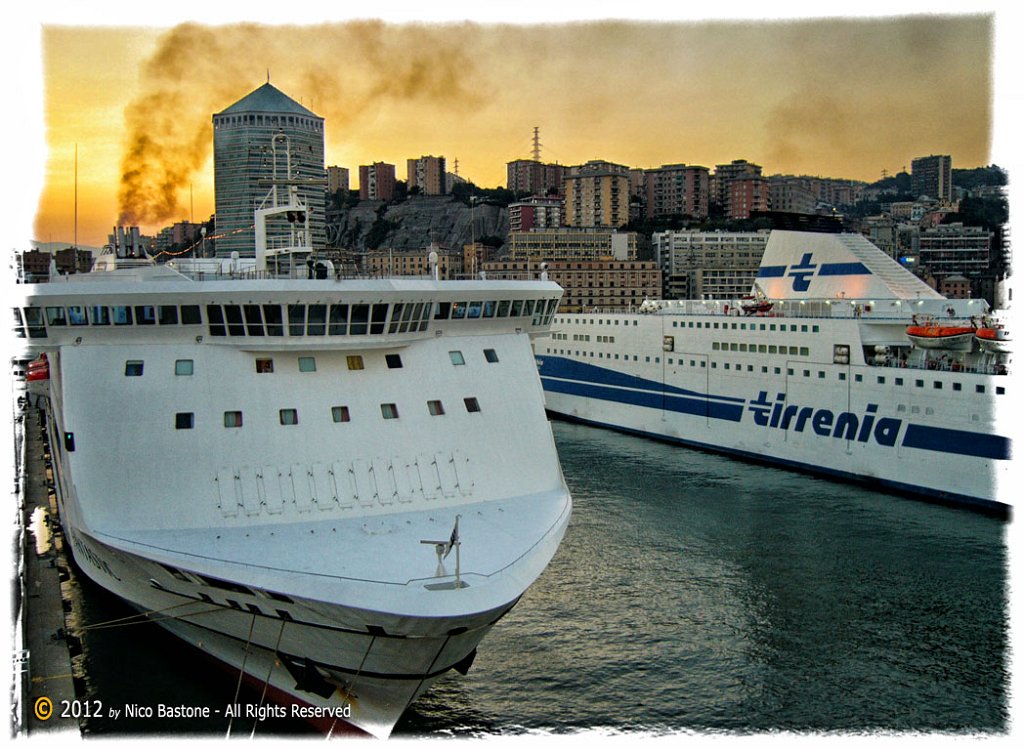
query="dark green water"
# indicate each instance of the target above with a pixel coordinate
(692, 593)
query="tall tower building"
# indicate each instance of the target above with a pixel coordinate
(247, 159)
(932, 176)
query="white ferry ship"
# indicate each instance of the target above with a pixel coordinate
(335, 487)
(840, 362)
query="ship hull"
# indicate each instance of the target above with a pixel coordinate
(805, 424)
(334, 511)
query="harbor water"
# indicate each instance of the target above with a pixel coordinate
(693, 593)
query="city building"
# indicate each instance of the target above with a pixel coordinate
(724, 174)
(608, 285)
(791, 194)
(955, 286)
(596, 199)
(178, 236)
(746, 195)
(535, 212)
(428, 174)
(954, 249)
(256, 141)
(708, 265)
(377, 181)
(534, 177)
(932, 176)
(337, 179)
(598, 166)
(567, 244)
(676, 189)
(35, 263)
(388, 263)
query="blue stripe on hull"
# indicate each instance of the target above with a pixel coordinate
(700, 406)
(568, 369)
(927, 493)
(960, 442)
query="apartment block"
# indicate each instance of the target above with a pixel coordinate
(337, 179)
(530, 176)
(708, 265)
(596, 199)
(568, 244)
(676, 189)
(609, 285)
(954, 249)
(428, 174)
(535, 213)
(377, 182)
(388, 263)
(932, 176)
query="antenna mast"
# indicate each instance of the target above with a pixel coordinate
(536, 143)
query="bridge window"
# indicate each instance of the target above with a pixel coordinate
(272, 318)
(55, 316)
(168, 314)
(316, 322)
(145, 315)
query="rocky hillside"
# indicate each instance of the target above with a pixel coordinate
(415, 223)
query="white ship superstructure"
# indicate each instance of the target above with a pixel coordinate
(335, 486)
(840, 362)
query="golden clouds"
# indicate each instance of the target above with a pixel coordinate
(842, 98)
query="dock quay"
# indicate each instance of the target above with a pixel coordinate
(43, 694)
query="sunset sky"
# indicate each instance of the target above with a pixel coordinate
(846, 96)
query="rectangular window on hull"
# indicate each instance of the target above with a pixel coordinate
(184, 420)
(232, 419)
(133, 368)
(340, 414)
(389, 411)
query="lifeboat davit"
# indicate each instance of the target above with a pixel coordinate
(955, 338)
(995, 339)
(38, 369)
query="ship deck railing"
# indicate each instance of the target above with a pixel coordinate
(949, 365)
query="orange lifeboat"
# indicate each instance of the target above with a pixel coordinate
(956, 338)
(38, 369)
(995, 339)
